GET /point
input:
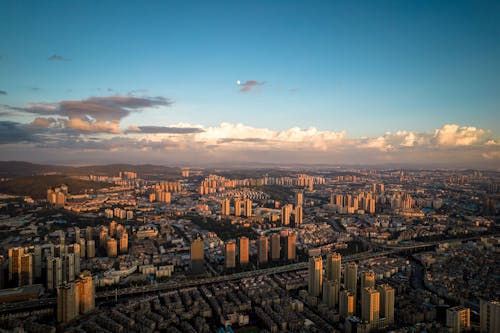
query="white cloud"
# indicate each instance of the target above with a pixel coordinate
(454, 135)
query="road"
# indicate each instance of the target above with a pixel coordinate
(33, 304)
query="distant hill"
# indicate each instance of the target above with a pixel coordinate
(36, 186)
(10, 169)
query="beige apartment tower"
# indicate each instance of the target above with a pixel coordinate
(347, 306)
(333, 266)
(237, 207)
(248, 208)
(387, 296)
(112, 248)
(243, 250)
(263, 249)
(331, 290)
(298, 216)
(285, 215)
(315, 284)
(291, 245)
(197, 256)
(489, 316)
(299, 199)
(230, 255)
(226, 207)
(67, 302)
(351, 277)
(86, 292)
(368, 279)
(275, 247)
(458, 319)
(370, 305)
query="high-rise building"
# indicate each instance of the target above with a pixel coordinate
(36, 252)
(331, 291)
(248, 208)
(26, 277)
(347, 302)
(54, 273)
(112, 248)
(263, 249)
(298, 216)
(90, 249)
(86, 292)
(333, 266)
(197, 256)
(226, 207)
(77, 235)
(67, 302)
(89, 233)
(299, 199)
(83, 248)
(68, 267)
(368, 279)
(458, 319)
(291, 241)
(387, 295)
(75, 249)
(275, 247)
(112, 228)
(285, 215)
(230, 254)
(351, 277)
(315, 284)
(124, 243)
(237, 207)
(103, 237)
(243, 248)
(15, 254)
(489, 316)
(370, 305)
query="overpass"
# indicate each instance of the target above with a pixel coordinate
(172, 285)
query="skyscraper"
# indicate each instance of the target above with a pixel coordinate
(298, 216)
(299, 199)
(333, 266)
(54, 273)
(90, 249)
(489, 316)
(315, 284)
(86, 292)
(368, 279)
(331, 291)
(458, 318)
(347, 305)
(67, 302)
(197, 256)
(263, 249)
(370, 305)
(243, 250)
(226, 207)
(291, 241)
(26, 277)
(124, 243)
(248, 208)
(387, 295)
(112, 248)
(77, 235)
(285, 215)
(230, 254)
(15, 254)
(351, 277)
(237, 207)
(275, 247)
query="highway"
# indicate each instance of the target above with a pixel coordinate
(165, 286)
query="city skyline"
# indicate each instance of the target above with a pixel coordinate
(323, 83)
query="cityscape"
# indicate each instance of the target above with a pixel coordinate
(263, 167)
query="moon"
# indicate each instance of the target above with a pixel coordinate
(238, 82)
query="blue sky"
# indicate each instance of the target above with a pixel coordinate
(363, 67)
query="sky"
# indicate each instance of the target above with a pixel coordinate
(196, 82)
